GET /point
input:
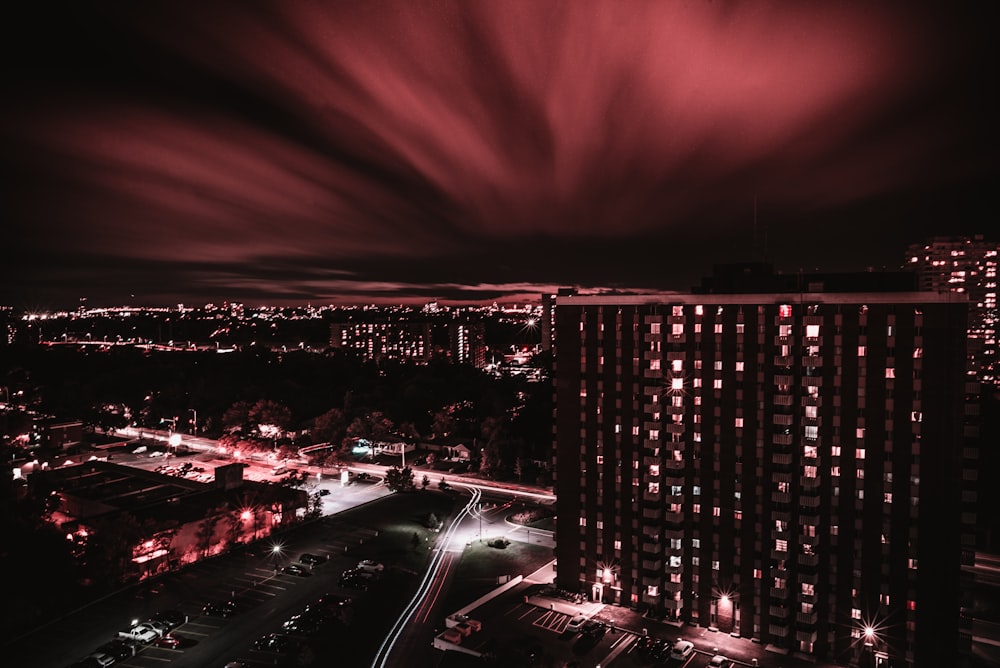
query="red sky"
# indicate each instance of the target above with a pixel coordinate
(294, 151)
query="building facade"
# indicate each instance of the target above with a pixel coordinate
(787, 467)
(965, 265)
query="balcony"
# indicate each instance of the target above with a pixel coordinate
(651, 496)
(782, 459)
(810, 501)
(674, 517)
(778, 611)
(781, 497)
(784, 361)
(779, 593)
(808, 577)
(784, 420)
(652, 513)
(809, 483)
(778, 630)
(651, 548)
(782, 439)
(652, 564)
(783, 400)
(808, 560)
(806, 636)
(673, 587)
(673, 534)
(807, 617)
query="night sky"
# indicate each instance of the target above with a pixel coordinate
(292, 152)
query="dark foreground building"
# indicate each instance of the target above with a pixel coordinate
(788, 467)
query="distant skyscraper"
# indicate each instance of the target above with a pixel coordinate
(788, 467)
(468, 342)
(966, 265)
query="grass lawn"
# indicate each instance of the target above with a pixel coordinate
(481, 565)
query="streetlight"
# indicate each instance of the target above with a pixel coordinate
(276, 551)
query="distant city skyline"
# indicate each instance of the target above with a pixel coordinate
(399, 153)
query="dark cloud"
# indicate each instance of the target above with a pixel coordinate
(305, 151)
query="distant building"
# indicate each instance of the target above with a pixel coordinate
(966, 265)
(379, 340)
(167, 520)
(468, 342)
(791, 467)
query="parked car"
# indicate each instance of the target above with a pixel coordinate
(593, 628)
(333, 601)
(370, 566)
(295, 569)
(120, 649)
(300, 625)
(172, 618)
(682, 650)
(101, 659)
(312, 559)
(273, 642)
(226, 609)
(170, 640)
(354, 581)
(576, 624)
(160, 627)
(720, 661)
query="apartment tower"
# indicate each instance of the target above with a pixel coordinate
(786, 467)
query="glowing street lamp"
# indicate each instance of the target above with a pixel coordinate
(276, 551)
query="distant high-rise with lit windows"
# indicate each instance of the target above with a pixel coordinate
(789, 467)
(965, 265)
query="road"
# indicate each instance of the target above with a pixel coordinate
(413, 630)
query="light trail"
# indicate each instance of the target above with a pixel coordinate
(382, 656)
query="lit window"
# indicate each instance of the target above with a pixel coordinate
(718, 328)
(677, 329)
(859, 453)
(583, 521)
(677, 365)
(861, 351)
(699, 310)
(785, 311)
(811, 412)
(812, 432)
(677, 384)
(739, 366)
(717, 384)
(812, 331)
(855, 613)
(890, 372)
(654, 364)
(677, 310)
(739, 422)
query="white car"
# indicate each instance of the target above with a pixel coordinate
(369, 566)
(682, 650)
(719, 661)
(574, 625)
(102, 659)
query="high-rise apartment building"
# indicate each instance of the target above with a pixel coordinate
(468, 342)
(385, 340)
(787, 467)
(965, 265)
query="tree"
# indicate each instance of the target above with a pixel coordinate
(399, 480)
(205, 535)
(373, 425)
(489, 463)
(330, 427)
(236, 419)
(270, 418)
(426, 481)
(315, 506)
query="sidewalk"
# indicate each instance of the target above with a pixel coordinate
(742, 651)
